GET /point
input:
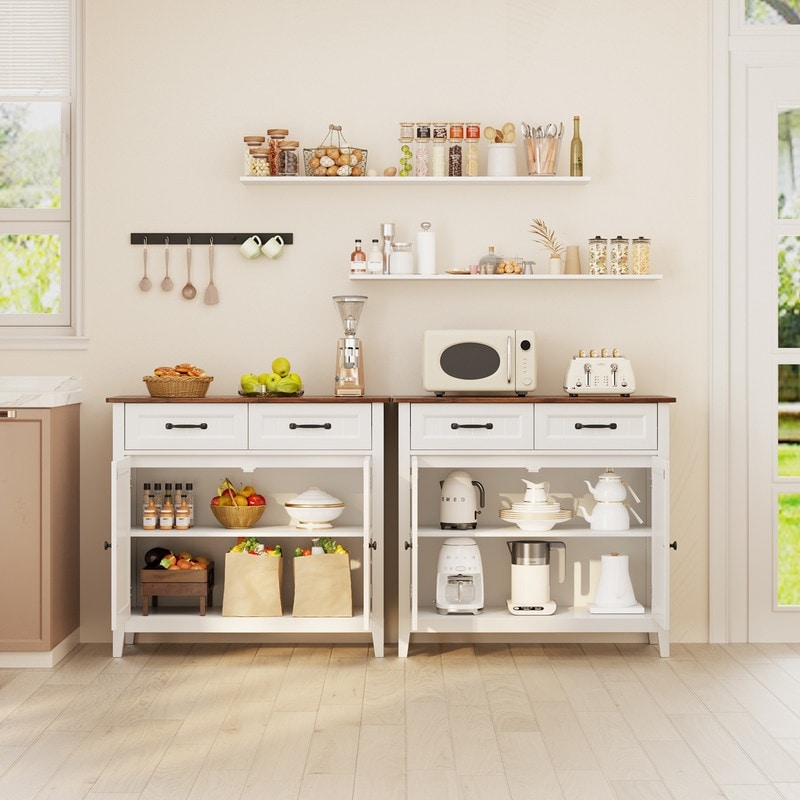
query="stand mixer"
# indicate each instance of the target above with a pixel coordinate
(349, 381)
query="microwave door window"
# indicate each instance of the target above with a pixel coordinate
(470, 361)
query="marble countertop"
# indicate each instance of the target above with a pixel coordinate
(39, 391)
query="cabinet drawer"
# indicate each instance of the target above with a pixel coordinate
(202, 426)
(322, 426)
(612, 426)
(472, 426)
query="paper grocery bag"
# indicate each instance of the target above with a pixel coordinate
(252, 586)
(322, 586)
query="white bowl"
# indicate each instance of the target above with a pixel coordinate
(314, 508)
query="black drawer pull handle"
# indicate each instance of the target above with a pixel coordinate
(611, 425)
(456, 425)
(294, 426)
(202, 425)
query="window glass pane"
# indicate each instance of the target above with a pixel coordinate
(789, 419)
(789, 291)
(788, 548)
(30, 274)
(772, 12)
(789, 164)
(30, 155)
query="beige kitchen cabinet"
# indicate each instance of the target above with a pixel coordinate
(40, 543)
(560, 441)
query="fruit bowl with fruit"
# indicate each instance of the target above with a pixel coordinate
(281, 382)
(237, 508)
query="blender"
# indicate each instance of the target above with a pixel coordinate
(349, 381)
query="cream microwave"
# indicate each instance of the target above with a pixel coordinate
(479, 361)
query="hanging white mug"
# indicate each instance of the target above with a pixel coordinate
(273, 247)
(251, 247)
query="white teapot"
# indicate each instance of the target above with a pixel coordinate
(611, 488)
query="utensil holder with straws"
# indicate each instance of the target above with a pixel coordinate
(542, 146)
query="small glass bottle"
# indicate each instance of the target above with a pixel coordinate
(472, 135)
(598, 256)
(166, 517)
(188, 496)
(182, 517)
(439, 150)
(576, 150)
(168, 496)
(640, 261)
(158, 496)
(358, 260)
(375, 259)
(406, 155)
(150, 517)
(455, 150)
(422, 150)
(147, 495)
(619, 256)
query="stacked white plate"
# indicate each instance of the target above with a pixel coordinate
(535, 516)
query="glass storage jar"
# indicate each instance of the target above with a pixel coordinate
(598, 256)
(619, 256)
(422, 152)
(455, 150)
(439, 149)
(288, 160)
(472, 135)
(640, 261)
(251, 143)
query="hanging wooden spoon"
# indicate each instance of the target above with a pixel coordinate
(144, 283)
(211, 297)
(188, 290)
(167, 283)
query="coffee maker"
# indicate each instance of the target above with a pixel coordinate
(349, 381)
(459, 577)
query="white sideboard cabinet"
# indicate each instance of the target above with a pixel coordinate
(563, 442)
(282, 447)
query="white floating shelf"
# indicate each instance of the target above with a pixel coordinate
(486, 180)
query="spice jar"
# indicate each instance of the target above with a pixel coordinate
(455, 150)
(619, 256)
(640, 261)
(288, 161)
(472, 134)
(598, 256)
(276, 136)
(439, 150)
(422, 154)
(251, 143)
(259, 163)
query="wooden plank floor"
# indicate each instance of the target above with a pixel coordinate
(483, 722)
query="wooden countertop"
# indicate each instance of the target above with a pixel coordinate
(636, 398)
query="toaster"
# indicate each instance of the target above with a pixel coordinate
(603, 372)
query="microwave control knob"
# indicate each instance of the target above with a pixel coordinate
(527, 382)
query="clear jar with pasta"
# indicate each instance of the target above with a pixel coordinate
(640, 256)
(422, 150)
(598, 256)
(472, 135)
(439, 149)
(619, 256)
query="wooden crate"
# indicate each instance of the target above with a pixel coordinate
(177, 583)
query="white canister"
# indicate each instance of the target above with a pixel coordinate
(502, 160)
(426, 250)
(401, 260)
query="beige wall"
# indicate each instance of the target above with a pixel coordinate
(173, 85)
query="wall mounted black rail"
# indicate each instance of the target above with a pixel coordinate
(178, 239)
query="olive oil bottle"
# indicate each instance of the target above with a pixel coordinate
(576, 150)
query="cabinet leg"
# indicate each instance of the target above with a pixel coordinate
(377, 643)
(402, 646)
(661, 638)
(117, 643)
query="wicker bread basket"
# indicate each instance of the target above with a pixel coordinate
(181, 386)
(237, 516)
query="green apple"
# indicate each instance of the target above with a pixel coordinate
(250, 383)
(288, 386)
(281, 366)
(296, 378)
(272, 381)
(262, 378)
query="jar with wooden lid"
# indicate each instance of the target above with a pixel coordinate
(251, 143)
(259, 162)
(288, 159)
(276, 136)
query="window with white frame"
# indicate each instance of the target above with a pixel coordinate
(38, 80)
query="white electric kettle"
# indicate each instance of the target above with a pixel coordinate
(460, 502)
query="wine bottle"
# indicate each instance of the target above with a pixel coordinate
(358, 259)
(576, 150)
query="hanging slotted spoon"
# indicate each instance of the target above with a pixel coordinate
(167, 283)
(188, 290)
(211, 297)
(144, 283)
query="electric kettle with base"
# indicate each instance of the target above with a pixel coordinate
(530, 576)
(460, 502)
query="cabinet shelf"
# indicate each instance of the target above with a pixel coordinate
(186, 619)
(272, 531)
(564, 620)
(484, 180)
(513, 532)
